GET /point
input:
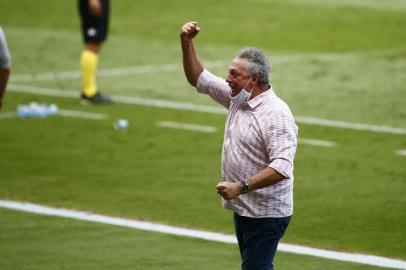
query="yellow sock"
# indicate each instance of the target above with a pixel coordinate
(88, 64)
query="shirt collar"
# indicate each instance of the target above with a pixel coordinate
(252, 103)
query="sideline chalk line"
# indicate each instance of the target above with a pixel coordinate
(212, 129)
(203, 108)
(210, 236)
(186, 126)
(63, 112)
(316, 142)
(401, 152)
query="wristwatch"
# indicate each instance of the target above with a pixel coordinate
(244, 187)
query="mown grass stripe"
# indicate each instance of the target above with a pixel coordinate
(8, 115)
(133, 70)
(210, 236)
(107, 72)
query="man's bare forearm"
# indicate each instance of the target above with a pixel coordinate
(191, 62)
(264, 178)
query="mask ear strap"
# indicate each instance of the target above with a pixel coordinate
(247, 83)
(252, 89)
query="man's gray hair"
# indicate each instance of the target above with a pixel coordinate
(258, 64)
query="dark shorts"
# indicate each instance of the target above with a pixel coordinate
(94, 29)
(258, 240)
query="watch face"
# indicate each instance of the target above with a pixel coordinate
(244, 187)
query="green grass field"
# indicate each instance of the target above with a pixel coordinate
(338, 60)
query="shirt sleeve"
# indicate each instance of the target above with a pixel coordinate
(216, 87)
(282, 142)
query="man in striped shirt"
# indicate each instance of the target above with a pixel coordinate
(259, 146)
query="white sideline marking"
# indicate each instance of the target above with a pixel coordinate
(210, 236)
(317, 142)
(66, 113)
(42, 91)
(124, 71)
(400, 152)
(349, 125)
(204, 108)
(185, 126)
(86, 115)
(120, 99)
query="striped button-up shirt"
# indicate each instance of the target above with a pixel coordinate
(258, 134)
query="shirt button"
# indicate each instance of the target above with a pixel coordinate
(227, 142)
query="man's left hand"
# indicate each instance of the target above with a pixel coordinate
(228, 190)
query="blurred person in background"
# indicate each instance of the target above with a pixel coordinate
(259, 147)
(94, 15)
(5, 65)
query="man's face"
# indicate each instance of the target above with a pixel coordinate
(238, 75)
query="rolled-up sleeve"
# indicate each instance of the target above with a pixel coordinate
(282, 142)
(214, 86)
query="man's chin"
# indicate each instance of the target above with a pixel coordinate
(234, 92)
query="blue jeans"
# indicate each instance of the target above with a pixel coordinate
(258, 240)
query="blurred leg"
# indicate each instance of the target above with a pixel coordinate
(88, 64)
(4, 75)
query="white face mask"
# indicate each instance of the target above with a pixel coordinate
(243, 96)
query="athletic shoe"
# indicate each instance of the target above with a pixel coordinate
(96, 99)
